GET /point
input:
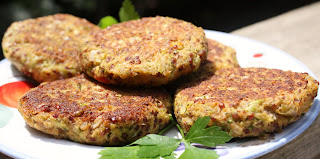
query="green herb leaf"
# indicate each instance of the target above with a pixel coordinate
(125, 152)
(206, 136)
(192, 152)
(154, 145)
(127, 12)
(107, 21)
(198, 125)
(172, 156)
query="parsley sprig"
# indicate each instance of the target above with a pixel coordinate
(156, 146)
(127, 12)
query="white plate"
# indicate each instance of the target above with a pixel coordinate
(19, 141)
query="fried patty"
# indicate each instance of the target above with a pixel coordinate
(86, 111)
(246, 101)
(146, 52)
(219, 56)
(46, 48)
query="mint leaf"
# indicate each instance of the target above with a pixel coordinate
(127, 12)
(206, 136)
(107, 21)
(192, 152)
(119, 152)
(154, 145)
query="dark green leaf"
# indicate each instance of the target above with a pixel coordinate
(127, 12)
(206, 136)
(192, 152)
(154, 145)
(107, 21)
(199, 125)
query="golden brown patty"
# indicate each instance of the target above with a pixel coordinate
(46, 48)
(149, 52)
(247, 101)
(85, 111)
(219, 56)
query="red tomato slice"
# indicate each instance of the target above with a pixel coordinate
(10, 93)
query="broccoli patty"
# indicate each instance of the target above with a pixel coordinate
(46, 48)
(246, 101)
(87, 111)
(147, 52)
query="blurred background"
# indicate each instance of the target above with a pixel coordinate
(226, 16)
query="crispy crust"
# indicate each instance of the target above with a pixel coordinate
(146, 52)
(247, 101)
(85, 111)
(46, 48)
(219, 57)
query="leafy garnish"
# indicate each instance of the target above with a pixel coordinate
(206, 136)
(192, 152)
(127, 12)
(119, 152)
(156, 146)
(107, 21)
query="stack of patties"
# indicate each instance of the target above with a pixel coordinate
(128, 59)
(121, 96)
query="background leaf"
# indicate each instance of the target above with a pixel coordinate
(107, 21)
(127, 12)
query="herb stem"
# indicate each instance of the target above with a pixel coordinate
(180, 129)
(171, 124)
(178, 126)
(185, 142)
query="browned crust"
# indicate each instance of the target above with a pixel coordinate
(150, 51)
(46, 48)
(227, 96)
(219, 57)
(78, 100)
